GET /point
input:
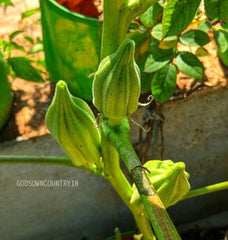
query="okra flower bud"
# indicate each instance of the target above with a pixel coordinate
(116, 85)
(72, 123)
(169, 179)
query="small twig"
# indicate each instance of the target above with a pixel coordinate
(208, 189)
(140, 126)
(31, 159)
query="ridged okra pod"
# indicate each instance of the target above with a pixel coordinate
(72, 124)
(116, 85)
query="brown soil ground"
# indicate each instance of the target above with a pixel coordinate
(31, 100)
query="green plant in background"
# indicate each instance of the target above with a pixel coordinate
(98, 146)
(170, 24)
(6, 3)
(18, 61)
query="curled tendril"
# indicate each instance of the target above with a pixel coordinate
(150, 100)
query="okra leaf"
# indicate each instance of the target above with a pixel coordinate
(164, 83)
(217, 9)
(150, 17)
(177, 15)
(194, 38)
(221, 40)
(23, 69)
(190, 65)
(157, 58)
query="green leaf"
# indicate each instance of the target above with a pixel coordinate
(201, 52)
(177, 15)
(157, 32)
(190, 65)
(41, 62)
(10, 46)
(217, 9)
(164, 83)
(6, 3)
(138, 37)
(223, 57)
(168, 42)
(146, 78)
(3, 43)
(37, 48)
(29, 39)
(221, 40)
(39, 21)
(23, 69)
(29, 13)
(6, 94)
(157, 58)
(194, 38)
(150, 17)
(205, 26)
(14, 34)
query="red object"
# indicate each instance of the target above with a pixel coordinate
(85, 7)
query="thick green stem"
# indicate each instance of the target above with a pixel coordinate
(118, 15)
(114, 27)
(121, 185)
(208, 189)
(159, 218)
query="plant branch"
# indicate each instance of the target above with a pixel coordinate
(208, 189)
(47, 160)
(114, 28)
(134, 8)
(159, 218)
(121, 185)
(50, 160)
(118, 15)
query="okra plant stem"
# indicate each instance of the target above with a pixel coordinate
(114, 27)
(156, 212)
(121, 185)
(118, 15)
